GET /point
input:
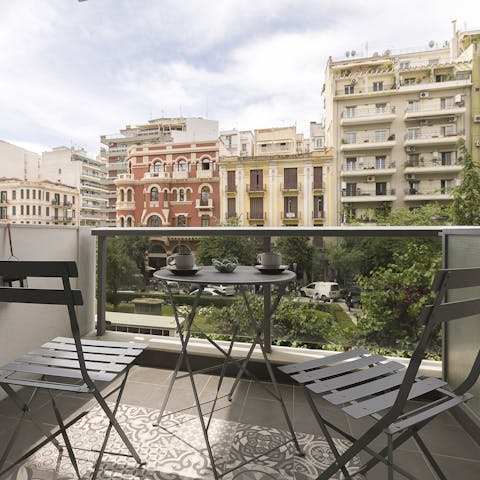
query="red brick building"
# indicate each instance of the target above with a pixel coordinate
(169, 185)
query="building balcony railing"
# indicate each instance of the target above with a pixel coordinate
(254, 216)
(368, 195)
(291, 188)
(230, 215)
(432, 137)
(157, 175)
(125, 205)
(433, 165)
(367, 115)
(291, 216)
(204, 173)
(368, 143)
(428, 194)
(428, 111)
(125, 176)
(368, 168)
(117, 166)
(180, 175)
(318, 217)
(232, 189)
(204, 204)
(256, 189)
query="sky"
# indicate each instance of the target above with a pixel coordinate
(71, 71)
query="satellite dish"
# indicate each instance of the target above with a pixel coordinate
(431, 43)
(353, 53)
(347, 53)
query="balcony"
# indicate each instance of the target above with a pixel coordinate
(366, 194)
(124, 176)
(204, 204)
(291, 218)
(364, 116)
(434, 111)
(231, 190)
(291, 189)
(205, 173)
(256, 216)
(428, 194)
(318, 218)
(252, 408)
(182, 175)
(256, 190)
(125, 205)
(156, 175)
(369, 142)
(432, 138)
(368, 168)
(432, 165)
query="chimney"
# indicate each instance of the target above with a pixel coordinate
(454, 42)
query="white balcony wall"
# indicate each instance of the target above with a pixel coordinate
(24, 327)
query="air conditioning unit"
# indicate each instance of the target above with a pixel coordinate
(370, 178)
(476, 118)
(451, 119)
(459, 98)
(361, 160)
(423, 122)
(477, 143)
(410, 176)
(410, 149)
(435, 154)
(424, 94)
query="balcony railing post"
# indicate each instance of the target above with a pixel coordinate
(267, 304)
(102, 284)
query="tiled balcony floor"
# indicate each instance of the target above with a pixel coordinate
(454, 450)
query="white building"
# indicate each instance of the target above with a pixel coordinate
(73, 167)
(16, 162)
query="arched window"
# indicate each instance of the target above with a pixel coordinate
(205, 164)
(204, 196)
(158, 167)
(182, 165)
(122, 222)
(165, 195)
(188, 194)
(129, 222)
(154, 194)
(174, 195)
(122, 195)
(129, 195)
(154, 221)
(181, 195)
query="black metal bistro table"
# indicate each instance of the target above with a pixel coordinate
(243, 277)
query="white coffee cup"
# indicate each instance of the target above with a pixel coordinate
(269, 259)
(183, 261)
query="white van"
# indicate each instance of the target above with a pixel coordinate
(325, 291)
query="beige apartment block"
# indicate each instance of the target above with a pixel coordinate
(394, 121)
(277, 186)
(37, 202)
(74, 167)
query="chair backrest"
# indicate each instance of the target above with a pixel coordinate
(12, 271)
(444, 310)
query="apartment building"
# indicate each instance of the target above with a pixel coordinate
(282, 183)
(17, 162)
(73, 167)
(37, 202)
(394, 121)
(157, 131)
(236, 143)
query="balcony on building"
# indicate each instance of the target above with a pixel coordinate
(367, 141)
(436, 109)
(368, 115)
(125, 176)
(434, 162)
(453, 438)
(291, 217)
(289, 189)
(180, 175)
(204, 203)
(417, 137)
(318, 217)
(117, 166)
(368, 166)
(428, 194)
(256, 189)
(256, 216)
(231, 190)
(425, 77)
(156, 175)
(125, 205)
(204, 173)
(365, 193)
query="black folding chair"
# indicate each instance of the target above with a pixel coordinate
(371, 385)
(63, 364)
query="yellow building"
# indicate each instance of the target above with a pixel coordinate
(281, 184)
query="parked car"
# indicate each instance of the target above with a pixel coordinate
(325, 291)
(208, 291)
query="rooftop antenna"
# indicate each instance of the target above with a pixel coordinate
(206, 107)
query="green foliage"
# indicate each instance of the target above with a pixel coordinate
(243, 248)
(394, 296)
(466, 197)
(121, 269)
(297, 250)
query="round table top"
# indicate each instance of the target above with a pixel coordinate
(241, 276)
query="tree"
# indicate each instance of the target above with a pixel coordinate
(244, 248)
(121, 269)
(465, 207)
(297, 250)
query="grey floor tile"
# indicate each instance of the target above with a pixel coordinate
(265, 413)
(459, 468)
(155, 376)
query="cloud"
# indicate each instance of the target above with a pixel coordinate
(72, 71)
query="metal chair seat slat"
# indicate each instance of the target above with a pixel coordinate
(342, 368)
(77, 388)
(320, 362)
(386, 400)
(322, 386)
(91, 349)
(94, 357)
(366, 389)
(57, 372)
(67, 363)
(103, 343)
